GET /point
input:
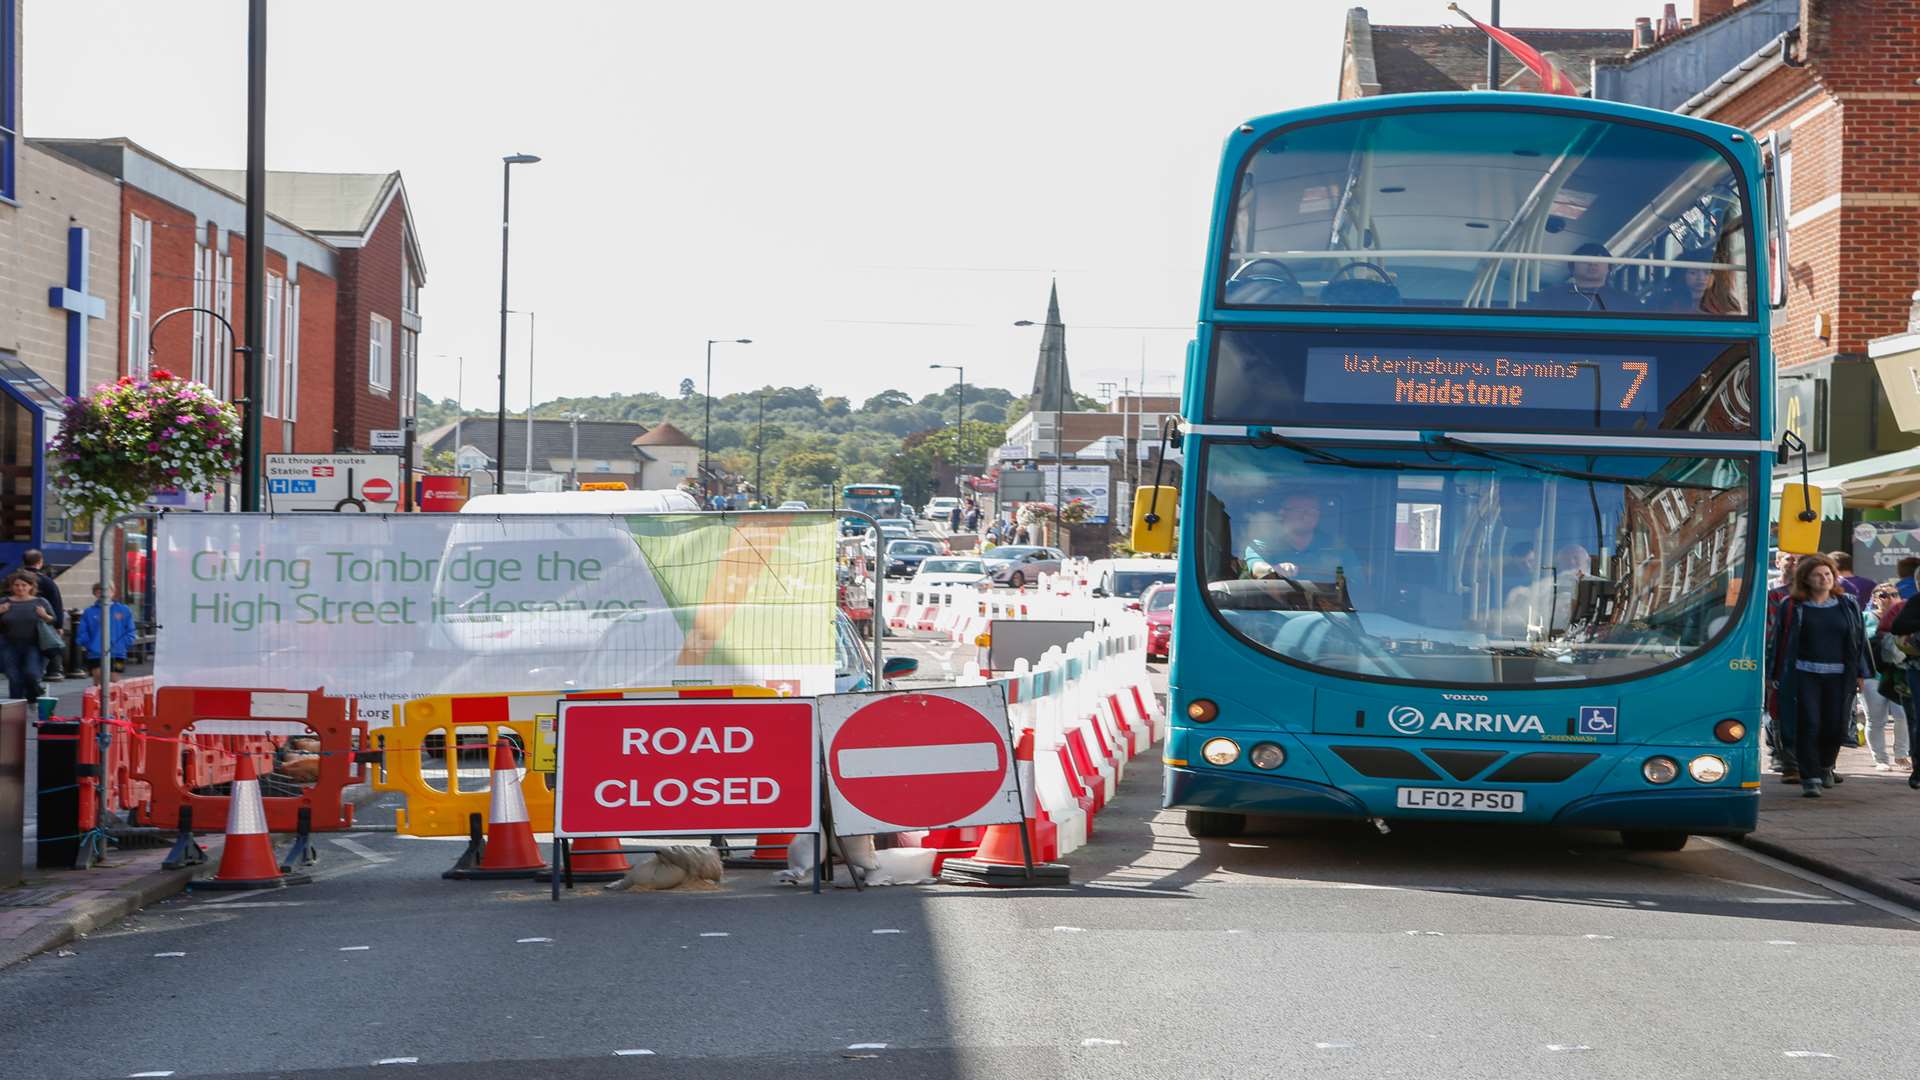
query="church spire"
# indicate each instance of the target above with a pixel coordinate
(1052, 385)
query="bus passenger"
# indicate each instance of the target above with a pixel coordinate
(1285, 543)
(1586, 287)
(1819, 663)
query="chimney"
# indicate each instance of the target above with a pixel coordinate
(1686, 24)
(1669, 22)
(1642, 33)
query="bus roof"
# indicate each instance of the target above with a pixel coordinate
(583, 502)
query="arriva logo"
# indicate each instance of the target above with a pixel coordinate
(1408, 720)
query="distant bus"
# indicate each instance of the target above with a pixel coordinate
(1473, 518)
(873, 500)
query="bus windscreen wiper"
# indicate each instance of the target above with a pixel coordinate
(1317, 456)
(1576, 474)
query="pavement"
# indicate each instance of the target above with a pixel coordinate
(1864, 831)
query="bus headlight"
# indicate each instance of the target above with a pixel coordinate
(1660, 770)
(1202, 711)
(1220, 751)
(1267, 755)
(1707, 769)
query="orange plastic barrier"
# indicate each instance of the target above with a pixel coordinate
(218, 724)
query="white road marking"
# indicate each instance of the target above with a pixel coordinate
(254, 904)
(1333, 1046)
(355, 948)
(1598, 937)
(360, 849)
(398, 1061)
(1564, 1047)
(1806, 1054)
(716, 933)
(1069, 929)
(633, 1053)
(1840, 887)
(160, 954)
(530, 940)
(156, 1072)
(1101, 1042)
(887, 931)
(866, 1046)
(1426, 933)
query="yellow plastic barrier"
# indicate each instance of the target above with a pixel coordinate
(435, 732)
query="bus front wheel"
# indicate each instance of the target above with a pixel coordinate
(1654, 841)
(1212, 824)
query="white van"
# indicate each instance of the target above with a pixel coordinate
(671, 501)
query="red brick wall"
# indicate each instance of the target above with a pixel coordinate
(319, 298)
(171, 273)
(369, 284)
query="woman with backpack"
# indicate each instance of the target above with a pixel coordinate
(1819, 663)
(1887, 697)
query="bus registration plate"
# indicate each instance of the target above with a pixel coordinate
(1491, 802)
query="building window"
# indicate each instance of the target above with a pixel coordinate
(139, 293)
(270, 365)
(380, 354)
(410, 286)
(409, 371)
(203, 323)
(223, 303)
(9, 106)
(290, 352)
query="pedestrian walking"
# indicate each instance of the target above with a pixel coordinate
(1860, 587)
(1903, 576)
(1887, 696)
(953, 518)
(1778, 732)
(94, 645)
(49, 590)
(25, 620)
(1902, 627)
(1819, 662)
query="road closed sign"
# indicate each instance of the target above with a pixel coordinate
(680, 768)
(922, 759)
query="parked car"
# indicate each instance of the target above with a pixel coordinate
(897, 528)
(853, 660)
(793, 504)
(905, 556)
(1157, 602)
(946, 572)
(940, 508)
(1016, 565)
(1127, 579)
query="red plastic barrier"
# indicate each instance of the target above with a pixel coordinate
(207, 756)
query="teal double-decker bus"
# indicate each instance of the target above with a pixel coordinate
(1473, 504)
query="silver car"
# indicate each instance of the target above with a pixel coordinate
(1018, 565)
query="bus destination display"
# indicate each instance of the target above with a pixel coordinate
(1469, 379)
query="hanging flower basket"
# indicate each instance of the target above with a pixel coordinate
(1035, 513)
(1076, 512)
(130, 438)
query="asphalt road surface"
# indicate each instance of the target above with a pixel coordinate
(1427, 953)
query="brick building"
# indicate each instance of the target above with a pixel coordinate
(1832, 82)
(1414, 59)
(59, 260)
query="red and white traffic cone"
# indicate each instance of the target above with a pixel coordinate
(594, 858)
(247, 860)
(1003, 855)
(509, 850)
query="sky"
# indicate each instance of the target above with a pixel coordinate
(864, 189)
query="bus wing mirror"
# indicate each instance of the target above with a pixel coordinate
(1155, 520)
(1783, 455)
(1799, 521)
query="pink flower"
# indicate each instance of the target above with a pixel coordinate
(153, 446)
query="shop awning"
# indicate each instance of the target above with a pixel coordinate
(1876, 482)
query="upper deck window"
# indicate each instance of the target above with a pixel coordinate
(1501, 210)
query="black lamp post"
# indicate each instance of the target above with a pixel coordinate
(500, 415)
(706, 431)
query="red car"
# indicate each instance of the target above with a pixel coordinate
(1157, 602)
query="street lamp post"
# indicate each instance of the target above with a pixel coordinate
(706, 424)
(959, 422)
(573, 462)
(500, 415)
(526, 465)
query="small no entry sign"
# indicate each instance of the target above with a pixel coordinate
(919, 759)
(676, 767)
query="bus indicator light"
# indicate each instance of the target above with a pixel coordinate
(1202, 711)
(1729, 731)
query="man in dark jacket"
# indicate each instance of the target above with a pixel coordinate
(1906, 620)
(36, 564)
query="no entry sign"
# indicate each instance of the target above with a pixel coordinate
(671, 768)
(377, 489)
(919, 759)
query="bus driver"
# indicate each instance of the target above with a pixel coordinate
(1284, 542)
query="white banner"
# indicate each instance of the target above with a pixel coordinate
(392, 607)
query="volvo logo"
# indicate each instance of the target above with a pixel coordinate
(1406, 719)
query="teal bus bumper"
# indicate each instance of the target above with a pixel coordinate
(1715, 812)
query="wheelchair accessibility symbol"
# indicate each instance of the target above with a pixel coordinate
(1599, 719)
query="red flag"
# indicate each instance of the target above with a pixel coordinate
(1552, 79)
